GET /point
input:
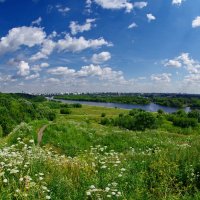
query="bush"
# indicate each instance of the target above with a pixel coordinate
(105, 121)
(184, 122)
(145, 120)
(103, 114)
(65, 111)
(194, 114)
(76, 105)
(51, 116)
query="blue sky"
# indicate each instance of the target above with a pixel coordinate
(100, 46)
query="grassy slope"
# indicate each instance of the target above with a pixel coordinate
(134, 165)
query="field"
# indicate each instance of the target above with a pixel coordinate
(78, 158)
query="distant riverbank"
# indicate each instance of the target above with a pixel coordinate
(152, 107)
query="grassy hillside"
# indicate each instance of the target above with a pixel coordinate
(79, 158)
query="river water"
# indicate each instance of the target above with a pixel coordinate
(152, 107)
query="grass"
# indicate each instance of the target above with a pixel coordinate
(81, 159)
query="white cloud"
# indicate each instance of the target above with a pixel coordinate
(62, 9)
(140, 5)
(150, 17)
(61, 71)
(16, 37)
(37, 21)
(196, 22)
(101, 57)
(89, 71)
(177, 2)
(23, 68)
(52, 80)
(164, 77)
(184, 60)
(48, 46)
(76, 28)
(74, 44)
(115, 4)
(37, 68)
(32, 76)
(133, 25)
(44, 64)
(102, 73)
(173, 63)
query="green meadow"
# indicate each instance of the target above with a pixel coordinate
(79, 158)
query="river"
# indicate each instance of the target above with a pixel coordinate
(152, 107)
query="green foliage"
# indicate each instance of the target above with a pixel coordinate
(65, 111)
(14, 109)
(136, 120)
(106, 98)
(103, 114)
(76, 105)
(194, 114)
(184, 122)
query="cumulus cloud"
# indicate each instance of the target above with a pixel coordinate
(23, 69)
(16, 37)
(184, 60)
(150, 17)
(115, 5)
(76, 28)
(101, 57)
(133, 25)
(192, 66)
(37, 21)
(35, 36)
(173, 63)
(48, 46)
(140, 5)
(74, 44)
(32, 76)
(62, 9)
(105, 73)
(164, 77)
(39, 67)
(61, 71)
(177, 2)
(196, 22)
(89, 71)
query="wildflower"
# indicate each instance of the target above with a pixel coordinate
(92, 187)
(14, 171)
(40, 178)
(21, 179)
(109, 196)
(88, 193)
(113, 193)
(107, 189)
(103, 167)
(48, 197)
(123, 169)
(5, 180)
(17, 190)
(120, 175)
(31, 141)
(2, 173)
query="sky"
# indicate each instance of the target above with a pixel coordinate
(49, 46)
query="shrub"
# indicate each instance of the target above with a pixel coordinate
(65, 111)
(103, 114)
(194, 114)
(145, 120)
(184, 122)
(76, 105)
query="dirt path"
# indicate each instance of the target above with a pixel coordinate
(41, 132)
